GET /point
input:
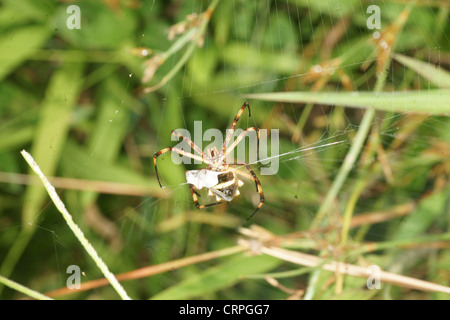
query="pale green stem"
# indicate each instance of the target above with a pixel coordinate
(29, 292)
(349, 161)
(193, 36)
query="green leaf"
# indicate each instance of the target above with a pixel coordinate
(434, 74)
(19, 137)
(429, 101)
(112, 122)
(76, 157)
(219, 277)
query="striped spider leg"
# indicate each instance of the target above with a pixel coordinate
(181, 152)
(257, 183)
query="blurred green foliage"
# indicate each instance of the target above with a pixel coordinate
(74, 99)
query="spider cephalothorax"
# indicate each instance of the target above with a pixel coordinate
(219, 177)
(214, 156)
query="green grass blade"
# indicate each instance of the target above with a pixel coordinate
(434, 74)
(222, 276)
(435, 101)
(18, 45)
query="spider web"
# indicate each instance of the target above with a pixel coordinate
(240, 62)
(311, 160)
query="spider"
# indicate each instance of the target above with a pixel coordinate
(219, 177)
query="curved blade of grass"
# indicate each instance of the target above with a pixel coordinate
(239, 54)
(18, 45)
(435, 101)
(219, 277)
(433, 73)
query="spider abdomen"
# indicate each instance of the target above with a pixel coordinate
(203, 178)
